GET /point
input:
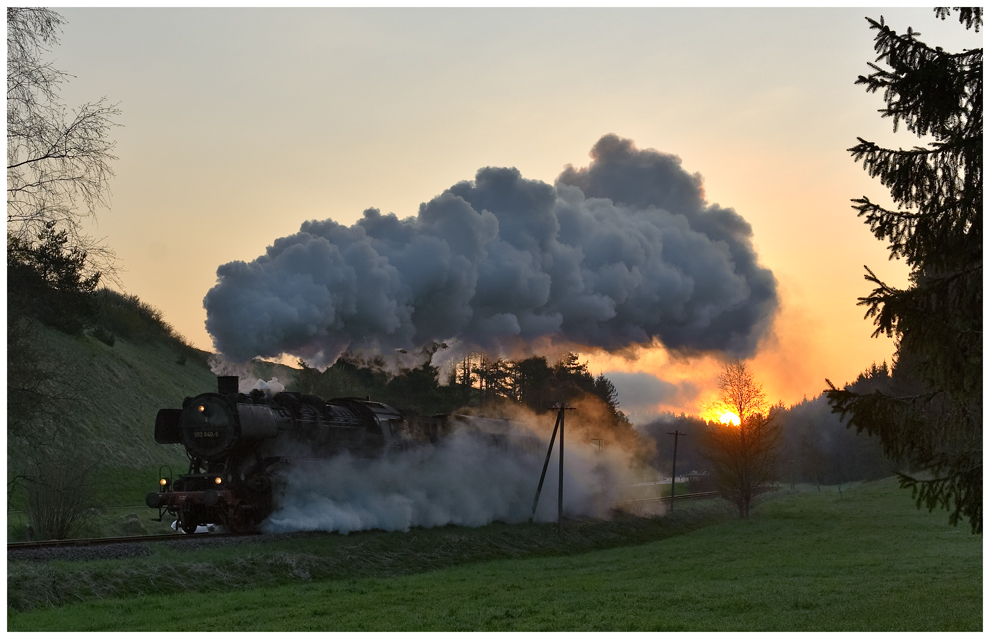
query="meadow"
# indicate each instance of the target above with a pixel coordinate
(861, 560)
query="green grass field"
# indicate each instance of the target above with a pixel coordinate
(863, 561)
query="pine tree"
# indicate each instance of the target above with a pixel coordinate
(932, 414)
(533, 377)
(47, 279)
(606, 391)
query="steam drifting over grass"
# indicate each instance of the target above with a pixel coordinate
(470, 479)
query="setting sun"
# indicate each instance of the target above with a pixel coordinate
(728, 417)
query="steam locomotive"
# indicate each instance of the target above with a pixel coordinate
(241, 445)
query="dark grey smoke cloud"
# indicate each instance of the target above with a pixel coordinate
(618, 253)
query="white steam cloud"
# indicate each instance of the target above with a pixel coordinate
(466, 481)
(622, 252)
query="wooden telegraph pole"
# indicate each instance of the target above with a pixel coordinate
(560, 480)
(560, 485)
(673, 470)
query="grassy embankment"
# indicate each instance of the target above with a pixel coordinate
(119, 391)
(863, 561)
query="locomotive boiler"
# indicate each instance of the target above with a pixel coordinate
(240, 446)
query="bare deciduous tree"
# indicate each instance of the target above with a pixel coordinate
(743, 454)
(58, 172)
(58, 162)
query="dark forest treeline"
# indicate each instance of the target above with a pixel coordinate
(817, 446)
(481, 385)
(477, 382)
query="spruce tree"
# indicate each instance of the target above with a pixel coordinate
(931, 416)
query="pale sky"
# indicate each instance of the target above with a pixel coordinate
(240, 124)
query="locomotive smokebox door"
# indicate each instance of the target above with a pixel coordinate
(209, 427)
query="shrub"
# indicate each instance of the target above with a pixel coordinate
(60, 493)
(103, 335)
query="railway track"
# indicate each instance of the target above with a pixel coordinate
(181, 537)
(666, 500)
(99, 541)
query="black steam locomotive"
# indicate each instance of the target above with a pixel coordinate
(241, 445)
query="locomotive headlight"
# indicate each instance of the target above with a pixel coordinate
(201, 408)
(163, 481)
(218, 480)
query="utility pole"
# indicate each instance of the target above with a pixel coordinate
(560, 480)
(673, 470)
(560, 486)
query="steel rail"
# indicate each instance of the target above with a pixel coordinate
(98, 541)
(705, 495)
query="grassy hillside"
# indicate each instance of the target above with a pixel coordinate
(862, 560)
(117, 391)
(122, 387)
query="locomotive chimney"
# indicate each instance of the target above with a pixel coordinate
(227, 384)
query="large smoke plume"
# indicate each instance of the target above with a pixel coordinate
(625, 251)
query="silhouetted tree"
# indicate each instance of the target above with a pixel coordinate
(532, 378)
(932, 415)
(464, 378)
(571, 379)
(56, 161)
(605, 390)
(743, 456)
(46, 280)
(818, 448)
(57, 175)
(813, 459)
(418, 390)
(494, 379)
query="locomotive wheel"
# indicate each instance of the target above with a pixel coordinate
(187, 520)
(259, 484)
(188, 525)
(240, 520)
